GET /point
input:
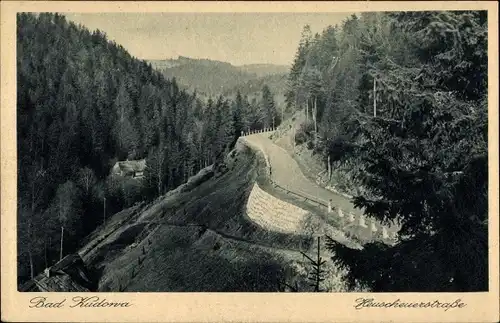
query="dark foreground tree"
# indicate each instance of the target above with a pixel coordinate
(425, 159)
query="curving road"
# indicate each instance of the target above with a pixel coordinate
(286, 172)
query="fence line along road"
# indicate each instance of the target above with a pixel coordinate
(301, 194)
(297, 192)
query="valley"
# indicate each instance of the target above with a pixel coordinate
(360, 166)
(211, 78)
(203, 240)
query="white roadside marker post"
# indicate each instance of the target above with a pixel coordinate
(330, 206)
(362, 221)
(384, 233)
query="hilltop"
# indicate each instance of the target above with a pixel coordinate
(211, 77)
(264, 69)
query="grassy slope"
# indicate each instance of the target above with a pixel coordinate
(199, 240)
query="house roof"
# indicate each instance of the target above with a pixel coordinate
(131, 165)
(57, 283)
(68, 275)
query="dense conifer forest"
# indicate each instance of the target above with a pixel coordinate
(402, 99)
(84, 103)
(222, 77)
(399, 98)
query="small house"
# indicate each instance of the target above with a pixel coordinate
(129, 168)
(68, 275)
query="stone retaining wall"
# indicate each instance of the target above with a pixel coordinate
(274, 214)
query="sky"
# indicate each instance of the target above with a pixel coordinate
(237, 38)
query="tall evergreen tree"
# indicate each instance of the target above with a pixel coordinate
(423, 157)
(238, 115)
(268, 108)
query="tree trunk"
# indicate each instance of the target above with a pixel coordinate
(314, 116)
(307, 109)
(45, 252)
(159, 183)
(158, 186)
(32, 198)
(170, 179)
(48, 252)
(62, 238)
(329, 168)
(104, 211)
(374, 98)
(32, 269)
(318, 271)
(282, 113)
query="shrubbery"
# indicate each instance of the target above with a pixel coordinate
(304, 133)
(338, 148)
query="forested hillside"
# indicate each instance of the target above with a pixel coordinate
(402, 99)
(206, 76)
(399, 100)
(212, 78)
(262, 70)
(275, 82)
(84, 103)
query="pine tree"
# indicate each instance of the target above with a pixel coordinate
(238, 114)
(425, 165)
(268, 111)
(156, 168)
(293, 95)
(67, 206)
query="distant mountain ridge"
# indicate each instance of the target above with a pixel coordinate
(183, 60)
(211, 77)
(275, 82)
(262, 70)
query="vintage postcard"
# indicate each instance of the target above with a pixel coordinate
(249, 161)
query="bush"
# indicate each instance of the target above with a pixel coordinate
(339, 147)
(310, 145)
(307, 127)
(123, 192)
(300, 138)
(304, 133)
